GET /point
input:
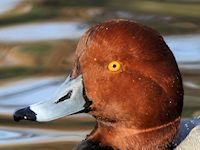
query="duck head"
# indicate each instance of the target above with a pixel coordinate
(127, 78)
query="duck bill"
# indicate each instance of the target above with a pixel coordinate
(69, 99)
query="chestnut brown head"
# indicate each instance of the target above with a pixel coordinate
(134, 83)
(130, 74)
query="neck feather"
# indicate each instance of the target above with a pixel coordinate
(118, 137)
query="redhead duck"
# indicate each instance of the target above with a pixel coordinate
(127, 78)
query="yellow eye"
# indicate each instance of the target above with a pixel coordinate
(114, 66)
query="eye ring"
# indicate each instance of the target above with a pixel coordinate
(114, 66)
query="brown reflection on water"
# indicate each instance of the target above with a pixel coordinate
(61, 134)
(46, 146)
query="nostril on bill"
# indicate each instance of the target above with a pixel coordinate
(67, 96)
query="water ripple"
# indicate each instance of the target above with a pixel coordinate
(7, 5)
(14, 135)
(186, 48)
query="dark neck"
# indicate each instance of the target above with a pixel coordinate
(118, 137)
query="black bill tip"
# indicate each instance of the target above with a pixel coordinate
(24, 114)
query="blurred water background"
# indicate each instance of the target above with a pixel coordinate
(37, 43)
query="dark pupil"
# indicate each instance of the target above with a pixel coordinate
(114, 66)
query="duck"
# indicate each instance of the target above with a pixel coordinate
(127, 78)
